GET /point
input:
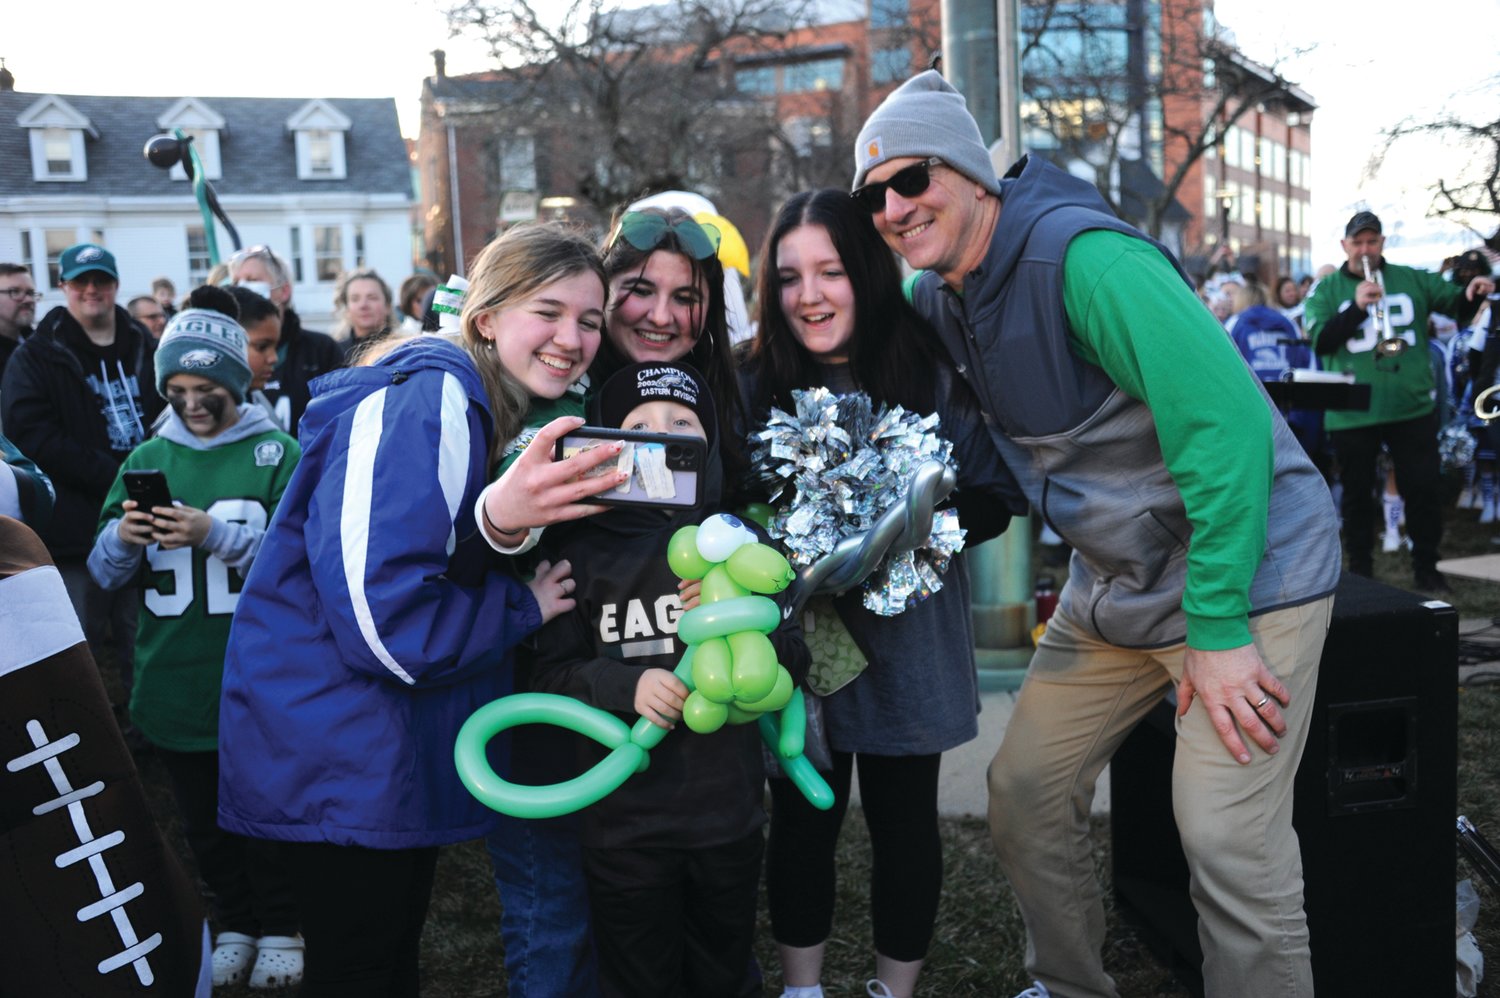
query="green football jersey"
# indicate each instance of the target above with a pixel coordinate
(189, 595)
(1401, 388)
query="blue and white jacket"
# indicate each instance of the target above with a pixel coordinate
(371, 625)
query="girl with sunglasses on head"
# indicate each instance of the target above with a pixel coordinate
(831, 313)
(377, 618)
(666, 304)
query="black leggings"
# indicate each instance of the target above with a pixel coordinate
(899, 794)
(251, 886)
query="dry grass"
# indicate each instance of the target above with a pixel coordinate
(979, 944)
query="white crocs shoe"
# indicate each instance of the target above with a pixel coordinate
(279, 962)
(875, 988)
(234, 952)
(1037, 990)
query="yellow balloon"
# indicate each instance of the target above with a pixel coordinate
(719, 584)
(733, 252)
(703, 715)
(683, 556)
(754, 669)
(760, 569)
(712, 670)
(776, 699)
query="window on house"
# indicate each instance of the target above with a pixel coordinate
(518, 163)
(820, 74)
(889, 65)
(328, 252)
(1232, 146)
(57, 241)
(296, 244)
(756, 80)
(58, 146)
(199, 262)
(1210, 197)
(888, 13)
(320, 152)
(26, 251)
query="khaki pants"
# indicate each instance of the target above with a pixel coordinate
(1080, 699)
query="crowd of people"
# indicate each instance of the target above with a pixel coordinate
(312, 557)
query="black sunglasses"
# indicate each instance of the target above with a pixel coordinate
(908, 183)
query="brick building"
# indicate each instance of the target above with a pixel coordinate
(783, 109)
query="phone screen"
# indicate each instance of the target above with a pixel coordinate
(665, 469)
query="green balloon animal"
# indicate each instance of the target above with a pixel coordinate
(729, 666)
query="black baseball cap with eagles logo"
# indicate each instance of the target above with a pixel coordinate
(654, 382)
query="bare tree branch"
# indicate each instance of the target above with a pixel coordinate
(1468, 181)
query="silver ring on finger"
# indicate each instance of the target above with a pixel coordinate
(1263, 701)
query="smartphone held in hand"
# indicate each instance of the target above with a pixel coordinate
(148, 487)
(665, 469)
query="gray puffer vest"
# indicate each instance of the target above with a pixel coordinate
(1086, 454)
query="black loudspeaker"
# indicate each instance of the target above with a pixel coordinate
(1374, 805)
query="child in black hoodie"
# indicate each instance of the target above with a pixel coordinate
(673, 857)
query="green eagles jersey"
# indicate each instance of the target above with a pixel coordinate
(189, 595)
(1401, 388)
(543, 411)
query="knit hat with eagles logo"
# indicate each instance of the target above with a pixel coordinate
(205, 343)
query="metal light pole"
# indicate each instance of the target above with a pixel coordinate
(981, 60)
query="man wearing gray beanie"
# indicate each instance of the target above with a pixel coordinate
(1205, 545)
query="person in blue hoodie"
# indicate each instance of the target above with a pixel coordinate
(377, 618)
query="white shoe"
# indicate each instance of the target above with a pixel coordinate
(1488, 514)
(875, 988)
(1468, 498)
(234, 952)
(1390, 542)
(1037, 990)
(278, 963)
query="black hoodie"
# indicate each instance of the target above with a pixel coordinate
(77, 409)
(301, 356)
(699, 790)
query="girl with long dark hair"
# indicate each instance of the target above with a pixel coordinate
(831, 313)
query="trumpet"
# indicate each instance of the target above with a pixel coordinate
(1389, 344)
(1482, 407)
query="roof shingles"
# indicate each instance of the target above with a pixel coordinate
(257, 153)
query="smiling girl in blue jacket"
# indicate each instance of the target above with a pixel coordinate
(377, 618)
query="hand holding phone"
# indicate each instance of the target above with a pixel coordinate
(662, 470)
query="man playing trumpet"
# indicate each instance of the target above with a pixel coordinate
(1355, 317)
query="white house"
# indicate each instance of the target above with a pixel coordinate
(324, 182)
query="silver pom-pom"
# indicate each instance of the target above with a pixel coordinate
(833, 467)
(1455, 445)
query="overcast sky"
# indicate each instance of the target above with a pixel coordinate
(1368, 68)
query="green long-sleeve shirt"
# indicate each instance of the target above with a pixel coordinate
(1132, 315)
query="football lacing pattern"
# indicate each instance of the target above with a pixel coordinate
(90, 849)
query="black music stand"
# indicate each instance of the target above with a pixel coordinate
(1321, 395)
